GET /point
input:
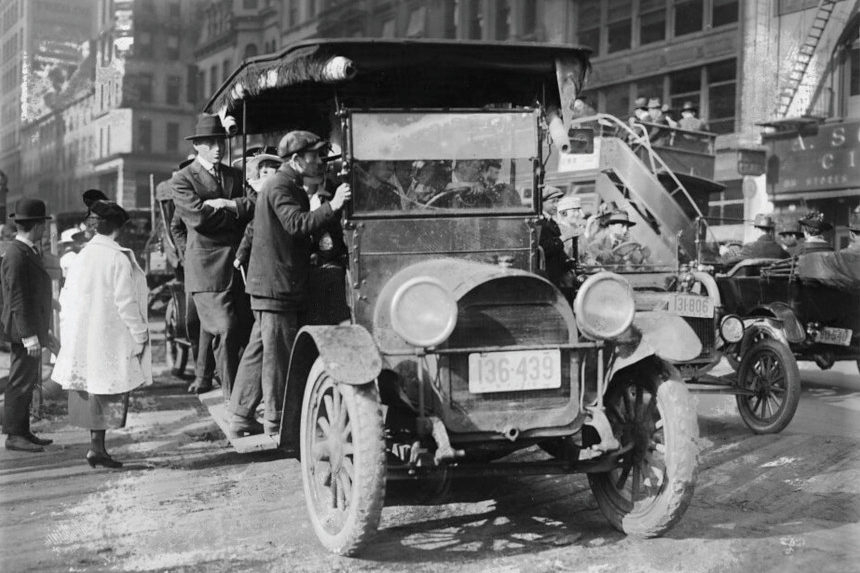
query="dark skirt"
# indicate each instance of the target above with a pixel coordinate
(97, 411)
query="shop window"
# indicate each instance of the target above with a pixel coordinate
(652, 24)
(618, 26)
(688, 16)
(722, 96)
(724, 12)
(588, 24)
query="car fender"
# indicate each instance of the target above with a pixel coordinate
(659, 333)
(755, 327)
(349, 355)
(790, 325)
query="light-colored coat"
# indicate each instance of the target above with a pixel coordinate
(103, 318)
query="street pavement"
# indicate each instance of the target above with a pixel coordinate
(186, 502)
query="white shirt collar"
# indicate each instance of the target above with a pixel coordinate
(206, 164)
(26, 241)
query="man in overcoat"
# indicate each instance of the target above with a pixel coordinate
(210, 199)
(278, 273)
(765, 247)
(26, 320)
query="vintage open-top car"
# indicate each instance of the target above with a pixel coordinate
(459, 350)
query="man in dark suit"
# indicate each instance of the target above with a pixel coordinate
(278, 272)
(26, 319)
(210, 199)
(765, 247)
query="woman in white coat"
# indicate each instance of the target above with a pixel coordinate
(104, 333)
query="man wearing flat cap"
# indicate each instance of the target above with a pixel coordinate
(765, 247)
(210, 199)
(814, 226)
(615, 247)
(555, 260)
(278, 273)
(26, 319)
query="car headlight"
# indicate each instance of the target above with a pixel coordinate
(423, 312)
(604, 306)
(732, 328)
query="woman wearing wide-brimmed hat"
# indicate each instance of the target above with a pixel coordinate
(814, 226)
(105, 350)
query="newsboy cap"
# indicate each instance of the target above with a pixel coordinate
(110, 211)
(550, 192)
(27, 209)
(299, 141)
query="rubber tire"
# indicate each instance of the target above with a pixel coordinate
(175, 354)
(367, 497)
(654, 516)
(792, 376)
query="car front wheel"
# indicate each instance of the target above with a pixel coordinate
(769, 370)
(342, 460)
(654, 418)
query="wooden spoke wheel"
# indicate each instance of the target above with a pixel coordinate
(770, 371)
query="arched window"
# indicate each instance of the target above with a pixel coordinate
(250, 51)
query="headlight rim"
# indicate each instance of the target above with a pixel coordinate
(579, 301)
(404, 333)
(723, 322)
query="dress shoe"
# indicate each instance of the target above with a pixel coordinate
(22, 444)
(105, 460)
(200, 386)
(37, 440)
(241, 426)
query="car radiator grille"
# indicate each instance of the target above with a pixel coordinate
(704, 329)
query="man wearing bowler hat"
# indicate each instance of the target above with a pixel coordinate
(210, 199)
(278, 273)
(26, 319)
(765, 247)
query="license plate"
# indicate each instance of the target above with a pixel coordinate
(830, 335)
(514, 370)
(693, 306)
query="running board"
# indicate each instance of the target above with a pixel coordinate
(214, 402)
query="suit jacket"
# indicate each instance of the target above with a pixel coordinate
(765, 247)
(26, 290)
(284, 227)
(213, 236)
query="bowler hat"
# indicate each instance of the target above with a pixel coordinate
(620, 216)
(689, 106)
(30, 210)
(93, 195)
(208, 126)
(640, 103)
(654, 102)
(550, 192)
(110, 211)
(763, 221)
(299, 141)
(814, 220)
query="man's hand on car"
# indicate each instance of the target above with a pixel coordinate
(341, 195)
(220, 203)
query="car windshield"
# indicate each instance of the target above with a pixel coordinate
(426, 163)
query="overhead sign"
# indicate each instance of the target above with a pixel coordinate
(824, 160)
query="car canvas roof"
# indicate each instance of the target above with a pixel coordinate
(294, 88)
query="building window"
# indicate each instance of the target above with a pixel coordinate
(616, 100)
(650, 87)
(728, 204)
(449, 18)
(722, 101)
(172, 47)
(417, 17)
(225, 70)
(292, 13)
(201, 85)
(688, 16)
(312, 8)
(475, 20)
(250, 51)
(174, 9)
(652, 21)
(249, 4)
(213, 79)
(144, 87)
(172, 92)
(144, 135)
(530, 18)
(387, 30)
(618, 25)
(588, 24)
(724, 12)
(143, 44)
(172, 138)
(685, 85)
(854, 83)
(503, 20)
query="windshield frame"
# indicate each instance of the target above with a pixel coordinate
(349, 160)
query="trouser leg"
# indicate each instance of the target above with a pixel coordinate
(278, 331)
(204, 365)
(23, 377)
(247, 392)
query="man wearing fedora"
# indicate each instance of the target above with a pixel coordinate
(210, 199)
(765, 247)
(658, 135)
(814, 226)
(278, 274)
(26, 320)
(791, 238)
